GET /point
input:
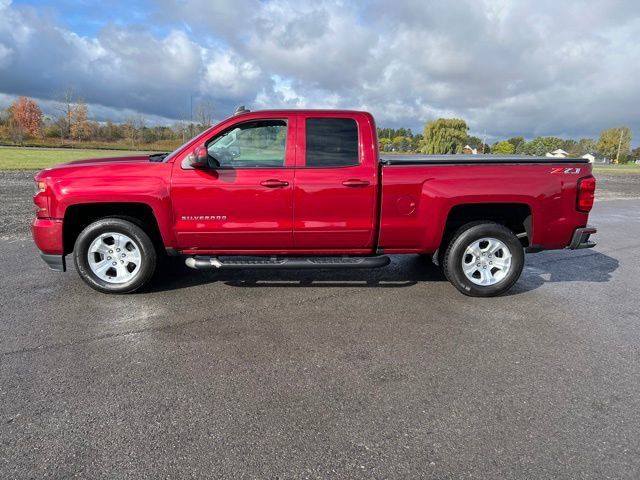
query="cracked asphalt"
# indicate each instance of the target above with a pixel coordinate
(388, 373)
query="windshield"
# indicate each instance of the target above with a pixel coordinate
(173, 154)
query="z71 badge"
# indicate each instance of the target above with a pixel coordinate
(569, 170)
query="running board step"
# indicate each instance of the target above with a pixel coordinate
(202, 262)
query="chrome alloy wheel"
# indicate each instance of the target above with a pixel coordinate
(486, 261)
(114, 257)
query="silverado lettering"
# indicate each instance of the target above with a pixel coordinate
(204, 217)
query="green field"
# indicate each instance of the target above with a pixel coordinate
(16, 158)
(630, 168)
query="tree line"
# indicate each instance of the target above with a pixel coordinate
(451, 136)
(24, 123)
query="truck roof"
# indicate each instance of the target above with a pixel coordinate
(305, 110)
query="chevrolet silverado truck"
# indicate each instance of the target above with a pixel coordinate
(308, 189)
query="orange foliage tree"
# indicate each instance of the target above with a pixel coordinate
(26, 116)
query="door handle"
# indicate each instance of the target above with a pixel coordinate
(354, 182)
(273, 183)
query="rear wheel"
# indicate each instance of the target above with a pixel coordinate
(483, 259)
(114, 255)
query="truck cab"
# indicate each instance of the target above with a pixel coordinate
(279, 182)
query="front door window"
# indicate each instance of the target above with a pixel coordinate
(257, 144)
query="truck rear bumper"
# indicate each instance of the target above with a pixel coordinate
(581, 236)
(55, 262)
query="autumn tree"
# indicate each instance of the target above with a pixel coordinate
(25, 117)
(80, 128)
(445, 135)
(615, 143)
(73, 117)
(129, 130)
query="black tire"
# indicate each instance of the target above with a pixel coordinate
(144, 244)
(465, 237)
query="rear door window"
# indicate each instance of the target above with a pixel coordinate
(331, 142)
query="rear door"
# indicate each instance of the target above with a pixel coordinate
(336, 184)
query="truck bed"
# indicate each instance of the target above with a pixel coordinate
(420, 191)
(474, 159)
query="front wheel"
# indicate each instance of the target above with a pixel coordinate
(484, 259)
(114, 255)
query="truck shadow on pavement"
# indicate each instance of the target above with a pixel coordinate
(404, 271)
(565, 266)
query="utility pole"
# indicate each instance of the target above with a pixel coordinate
(484, 140)
(619, 145)
(191, 116)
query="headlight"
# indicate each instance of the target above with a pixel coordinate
(41, 199)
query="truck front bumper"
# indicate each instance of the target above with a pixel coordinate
(47, 235)
(55, 262)
(581, 236)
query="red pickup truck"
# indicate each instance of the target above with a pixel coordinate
(308, 189)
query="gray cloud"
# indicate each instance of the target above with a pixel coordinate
(508, 67)
(122, 68)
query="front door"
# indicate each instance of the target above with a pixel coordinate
(245, 202)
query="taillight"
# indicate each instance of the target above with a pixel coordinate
(586, 193)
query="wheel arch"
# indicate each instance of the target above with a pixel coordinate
(516, 216)
(78, 216)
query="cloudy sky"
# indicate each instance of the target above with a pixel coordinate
(543, 67)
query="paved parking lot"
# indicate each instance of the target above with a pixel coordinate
(380, 374)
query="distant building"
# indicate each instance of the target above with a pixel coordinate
(467, 150)
(589, 157)
(559, 153)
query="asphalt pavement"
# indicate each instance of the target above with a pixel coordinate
(389, 373)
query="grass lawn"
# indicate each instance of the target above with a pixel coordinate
(16, 158)
(630, 168)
